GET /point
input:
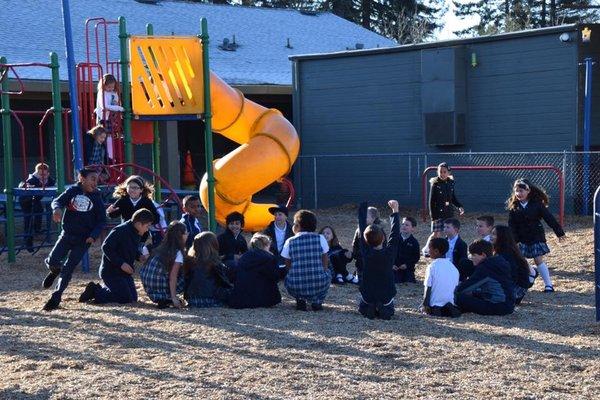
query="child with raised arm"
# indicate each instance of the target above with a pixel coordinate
(40, 178)
(306, 259)
(121, 248)
(82, 224)
(409, 252)
(192, 211)
(527, 207)
(441, 278)
(377, 286)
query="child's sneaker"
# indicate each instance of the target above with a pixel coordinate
(316, 306)
(49, 279)
(349, 278)
(51, 304)
(339, 279)
(354, 280)
(89, 292)
(301, 305)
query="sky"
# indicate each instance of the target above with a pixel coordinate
(453, 23)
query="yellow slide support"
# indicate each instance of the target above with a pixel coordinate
(269, 148)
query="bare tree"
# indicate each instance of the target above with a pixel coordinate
(405, 28)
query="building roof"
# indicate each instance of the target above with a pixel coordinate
(34, 28)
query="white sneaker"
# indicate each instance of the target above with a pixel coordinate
(354, 280)
(349, 277)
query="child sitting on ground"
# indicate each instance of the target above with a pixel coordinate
(457, 248)
(206, 282)
(490, 290)
(82, 224)
(409, 252)
(441, 278)
(372, 218)
(377, 286)
(305, 256)
(338, 256)
(257, 274)
(279, 230)
(231, 242)
(121, 248)
(32, 205)
(162, 276)
(485, 224)
(192, 211)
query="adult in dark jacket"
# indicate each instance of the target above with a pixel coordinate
(490, 290)
(279, 230)
(256, 276)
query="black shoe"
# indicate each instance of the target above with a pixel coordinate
(316, 306)
(29, 244)
(89, 293)
(301, 305)
(51, 304)
(49, 279)
(164, 304)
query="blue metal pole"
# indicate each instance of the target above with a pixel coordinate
(597, 250)
(77, 159)
(587, 131)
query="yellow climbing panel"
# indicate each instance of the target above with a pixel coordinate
(166, 75)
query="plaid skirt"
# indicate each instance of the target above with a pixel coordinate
(534, 250)
(437, 225)
(204, 302)
(156, 281)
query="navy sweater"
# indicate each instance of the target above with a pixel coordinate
(126, 208)
(270, 232)
(408, 252)
(377, 284)
(229, 245)
(257, 275)
(526, 223)
(190, 223)
(519, 274)
(201, 282)
(122, 245)
(491, 281)
(84, 214)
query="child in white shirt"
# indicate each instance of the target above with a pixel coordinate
(441, 278)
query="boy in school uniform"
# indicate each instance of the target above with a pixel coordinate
(279, 230)
(457, 248)
(441, 278)
(408, 252)
(121, 248)
(82, 223)
(231, 242)
(372, 218)
(40, 178)
(192, 212)
(485, 224)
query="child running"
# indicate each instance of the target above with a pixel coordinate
(338, 256)
(527, 206)
(82, 224)
(132, 195)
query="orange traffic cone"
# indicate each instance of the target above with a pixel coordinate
(189, 181)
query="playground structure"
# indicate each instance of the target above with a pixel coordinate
(168, 78)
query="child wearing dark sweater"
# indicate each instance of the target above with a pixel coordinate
(191, 218)
(121, 248)
(32, 205)
(82, 224)
(372, 218)
(338, 256)
(231, 242)
(132, 195)
(377, 286)
(408, 252)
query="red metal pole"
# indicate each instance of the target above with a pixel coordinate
(22, 135)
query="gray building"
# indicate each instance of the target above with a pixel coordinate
(359, 112)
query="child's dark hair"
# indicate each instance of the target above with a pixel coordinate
(481, 246)
(536, 193)
(412, 221)
(234, 216)
(505, 244)
(440, 244)
(488, 219)
(143, 215)
(334, 240)
(189, 198)
(147, 188)
(97, 131)
(171, 244)
(454, 222)
(204, 252)
(305, 220)
(374, 235)
(107, 79)
(86, 171)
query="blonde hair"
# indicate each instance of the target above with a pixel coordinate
(97, 131)
(204, 252)
(41, 167)
(259, 241)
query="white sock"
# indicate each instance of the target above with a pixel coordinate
(545, 273)
(532, 274)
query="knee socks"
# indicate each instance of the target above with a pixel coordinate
(545, 273)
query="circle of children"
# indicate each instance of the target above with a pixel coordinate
(189, 265)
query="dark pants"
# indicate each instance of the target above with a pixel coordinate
(71, 247)
(470, 303)
(376, 310)
(405, 275)
(33, 210)
(118, 288)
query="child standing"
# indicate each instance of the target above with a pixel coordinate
(279, 231)
(485, 224)
(377, 286)
(121, 248)
(206, 282)
(94, 143)
(372, 218)
(107, 101)
(441, 278)
(231, 242)
(82, 224)
(338, 256)
(32, 205)
(132, 195)
(257, 274)
(527, 206)
(161, 275)
(191, 218)
(305, 256)
(490, 290)
(442, 201)
(408, 252)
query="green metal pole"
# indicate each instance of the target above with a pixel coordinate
(58, 128)
(208, 144)
(123, 36)
(8, 169)
(155, 142)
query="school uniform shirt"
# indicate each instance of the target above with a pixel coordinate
(230, 245)
(83, 214)
(519, 275)
(457, 251)
(122, 245)
(525, 222)
(442, 277)
(278, 237)
(442, 199)
(193, 227)
(488, 238)
(408, 251)
(126, 207)
(491, 282)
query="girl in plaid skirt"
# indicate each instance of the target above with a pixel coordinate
(527, 206)
(305, 256)
(161, 275)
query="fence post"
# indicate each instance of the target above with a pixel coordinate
(315, 180)
(597, 250)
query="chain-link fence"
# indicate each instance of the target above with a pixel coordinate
(329, 180)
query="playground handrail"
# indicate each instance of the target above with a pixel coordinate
(4, 68)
